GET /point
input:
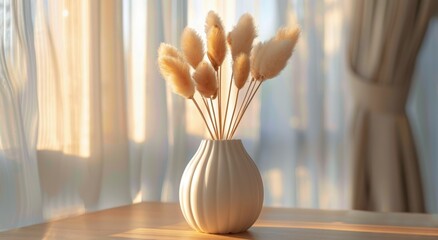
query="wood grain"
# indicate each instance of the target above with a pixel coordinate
(165, 221)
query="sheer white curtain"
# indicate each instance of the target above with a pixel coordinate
(81, 128)
(87, 123)
(20, 192)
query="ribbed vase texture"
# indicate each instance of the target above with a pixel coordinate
(221, 189)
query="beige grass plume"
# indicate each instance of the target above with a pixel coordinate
(205, 78)
(216, 46)
(176, 72)
(242, 36)
(255, 60)
(241, 70)
(212, 20)
(169, 51)
(268, 59)
(192, 46)
(274, 58)
(288, 33)
(216, 42)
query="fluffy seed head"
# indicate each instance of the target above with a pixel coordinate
(241, 37)
(212, 20)
(275, 57)
(167, 50)
(216, 46)
(205, 79)
(288, 33)
(176, 72)
(255, 60)
(268, 59)
(241, 70)
(192, 46)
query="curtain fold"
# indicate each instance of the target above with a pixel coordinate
(385, 39)
(20, 201)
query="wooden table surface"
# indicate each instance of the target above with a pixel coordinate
(165, 221)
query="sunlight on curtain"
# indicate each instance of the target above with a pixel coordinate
(64, 78)
(62, 46)
(84, 138)
(137, 89)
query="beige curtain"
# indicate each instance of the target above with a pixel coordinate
(386, 37)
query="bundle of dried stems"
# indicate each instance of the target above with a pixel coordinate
(187, 72)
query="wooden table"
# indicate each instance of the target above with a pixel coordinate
(165, 221)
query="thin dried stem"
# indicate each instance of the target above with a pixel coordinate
(246, 107)
(251, 95)
(219, 103)
(214, 115)
(232, 115)
(209, 114)
(248, 90)
(203, 117)
(228, 101)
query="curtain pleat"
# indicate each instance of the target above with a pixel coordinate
(19, 174)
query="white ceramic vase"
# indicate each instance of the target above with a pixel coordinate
(221, 189)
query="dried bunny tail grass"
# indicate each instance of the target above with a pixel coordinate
(192, 46)
(176, 72)
(269, 58)
(288, 33)
(275, 57)
(167, 50)
(205, 78)
(212, 20)
(255, 60)
(241, 70)
(241, 37)
(216, 46)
